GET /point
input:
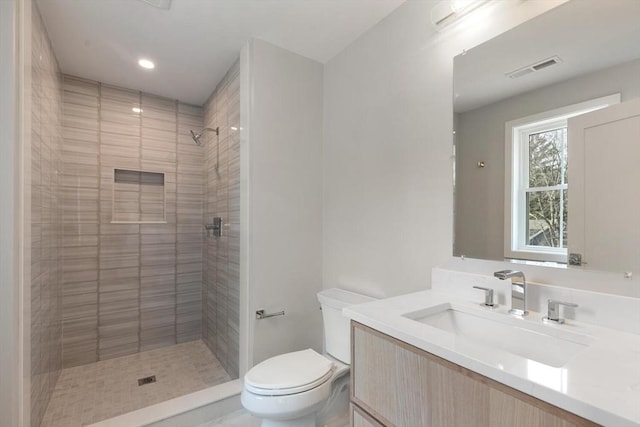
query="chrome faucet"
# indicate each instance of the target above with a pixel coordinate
(553, 311)
(518, 291)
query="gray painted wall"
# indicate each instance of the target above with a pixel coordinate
(9, 306)
(285, 216)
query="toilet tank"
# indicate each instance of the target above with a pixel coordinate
(337, 333)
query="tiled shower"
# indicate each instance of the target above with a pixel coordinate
(221, 293)
(120, 194)
(132, 276)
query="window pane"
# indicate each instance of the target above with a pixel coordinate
(547, 158)
(543, 212)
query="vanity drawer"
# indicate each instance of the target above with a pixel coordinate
(401, 385)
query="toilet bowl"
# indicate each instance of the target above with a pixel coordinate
(306, 388)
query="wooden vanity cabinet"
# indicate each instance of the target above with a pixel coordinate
(396, 384)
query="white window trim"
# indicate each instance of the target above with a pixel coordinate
(514, 246)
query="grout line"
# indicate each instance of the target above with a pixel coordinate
(140, 229)
(99, 237)
(175, 239)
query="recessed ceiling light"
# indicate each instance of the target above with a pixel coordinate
(136, 110)
(145, 63)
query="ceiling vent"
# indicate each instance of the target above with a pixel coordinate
(160, 4)
(540, 65)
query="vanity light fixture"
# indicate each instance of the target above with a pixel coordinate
(447, 11)
(146, 63)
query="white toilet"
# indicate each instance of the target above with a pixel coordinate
(305, 388)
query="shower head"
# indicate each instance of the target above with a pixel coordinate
(196, 136)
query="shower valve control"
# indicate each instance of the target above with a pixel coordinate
(216, 227)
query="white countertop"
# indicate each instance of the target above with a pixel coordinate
(601, 383)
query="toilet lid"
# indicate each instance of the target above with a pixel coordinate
(289, 373)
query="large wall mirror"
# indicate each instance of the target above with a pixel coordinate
(547, 140)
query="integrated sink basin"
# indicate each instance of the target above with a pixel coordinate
(544, 344)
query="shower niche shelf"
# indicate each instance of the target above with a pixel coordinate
(139, 197)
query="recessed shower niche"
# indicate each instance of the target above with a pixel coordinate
(138, 196)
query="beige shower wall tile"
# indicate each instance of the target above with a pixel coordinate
(79, 276)
(192, 267)
(119, 106)
(80, 169)
(114, 93)
(80, 111)
(157, 270)
(153, 154)
(78, 85)
(89, 102)
(74, 264)
(153, 299)
(152, 343)
(120, 229)
(87, 149)
(118, 261)
(119, 124)
(118, 301)
(110, 154)
(79, 330)
(113, 139)
(72, 253)
(119, 284)
(160, 254)
(112, 348)
(159, 134)
(80, 122)
(166, 283)
(190, 110)
(75, 288)
(158, 144)
(185, 278)
(160, 120)
(159, 102)
(78, 306)
(158, 317)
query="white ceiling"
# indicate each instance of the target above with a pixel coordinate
(195, 42)
(587, 35)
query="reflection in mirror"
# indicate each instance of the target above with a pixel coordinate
(547, 140)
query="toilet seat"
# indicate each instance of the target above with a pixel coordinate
(289, 373)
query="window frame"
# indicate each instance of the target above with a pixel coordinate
(517, 173)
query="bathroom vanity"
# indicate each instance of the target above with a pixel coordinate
(401, 385)
(436, 358)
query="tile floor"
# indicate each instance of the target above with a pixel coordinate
(90, 393)
(242, 419)
(235, 419)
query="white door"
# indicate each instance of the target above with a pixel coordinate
(604, 187)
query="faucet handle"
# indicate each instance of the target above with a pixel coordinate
(553, 311)
(488, 296)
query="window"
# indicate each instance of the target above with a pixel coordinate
(537, 183)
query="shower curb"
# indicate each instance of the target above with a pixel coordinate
(189, 410)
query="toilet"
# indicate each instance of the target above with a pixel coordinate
(306, 388)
